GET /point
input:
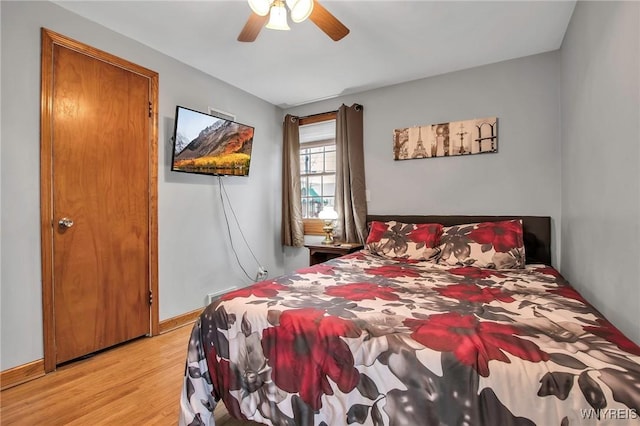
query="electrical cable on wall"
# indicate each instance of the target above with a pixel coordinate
(262, 272)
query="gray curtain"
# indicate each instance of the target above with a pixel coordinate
(292, 226)
(351, 203)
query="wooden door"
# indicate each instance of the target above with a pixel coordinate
(101, 187)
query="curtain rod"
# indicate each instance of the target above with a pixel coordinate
(320, 113)
(357, 106)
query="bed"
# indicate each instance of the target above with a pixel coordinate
(439, 320)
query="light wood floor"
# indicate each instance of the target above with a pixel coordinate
(138, 383)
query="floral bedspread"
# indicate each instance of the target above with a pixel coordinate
(367, 340)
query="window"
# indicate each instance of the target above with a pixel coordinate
(318, 177)
(317, 168)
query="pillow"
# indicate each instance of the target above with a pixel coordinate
(415, 241)
(495, 245)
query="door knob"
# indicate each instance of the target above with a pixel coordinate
(65, 223)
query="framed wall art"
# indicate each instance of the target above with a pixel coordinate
(476, 136)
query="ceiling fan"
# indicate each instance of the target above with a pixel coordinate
(276, 12)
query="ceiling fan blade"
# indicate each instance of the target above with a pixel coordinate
(327, 22)
(252, 27)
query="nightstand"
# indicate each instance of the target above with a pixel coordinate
(319, 252)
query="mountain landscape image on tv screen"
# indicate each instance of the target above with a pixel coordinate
(210, 145)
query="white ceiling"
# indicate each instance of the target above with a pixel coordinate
(390, 41)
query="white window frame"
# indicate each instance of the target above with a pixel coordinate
(323, 137)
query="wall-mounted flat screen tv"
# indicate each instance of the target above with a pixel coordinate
(209, 145)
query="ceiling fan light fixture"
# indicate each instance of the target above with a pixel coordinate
(278, 18)
(260, 7)
(300, 9)
(274, 13)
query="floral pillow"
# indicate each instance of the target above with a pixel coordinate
(414, 241)
(495, 245)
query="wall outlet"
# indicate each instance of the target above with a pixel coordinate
(261, 274)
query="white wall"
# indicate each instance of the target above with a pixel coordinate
(601, 159)
(521, 179)
(194, 250)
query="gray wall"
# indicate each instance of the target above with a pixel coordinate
(522, 178)
(601, 159)
(194, 251)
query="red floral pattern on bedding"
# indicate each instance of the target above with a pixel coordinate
(495, 245)
(305, 350)
(609, 332)
(503, 236)
(474, 342)
(568, 292)
(361, 291)
(409, 241)
(393, 271)
(364, 339)
(263, 289)
(472, 272)
(320, 268)
(474, 293)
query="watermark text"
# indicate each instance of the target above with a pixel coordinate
(608, 414)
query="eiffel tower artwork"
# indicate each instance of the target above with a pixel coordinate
(447, 139)
(401, 140)
(462, 133)
(419, 151)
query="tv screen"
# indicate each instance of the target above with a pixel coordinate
(209, 145)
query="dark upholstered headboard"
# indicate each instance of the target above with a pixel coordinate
(537, 230)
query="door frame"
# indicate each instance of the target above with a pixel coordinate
(49, 40)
